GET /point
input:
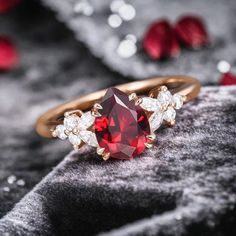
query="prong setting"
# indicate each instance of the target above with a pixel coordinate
(132, 96)
(148, 145)
(106, 156)
(100, 151)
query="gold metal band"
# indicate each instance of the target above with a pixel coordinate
(184, 85)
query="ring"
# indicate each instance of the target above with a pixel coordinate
(120, 121)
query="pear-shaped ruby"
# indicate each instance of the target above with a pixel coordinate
(123, 126)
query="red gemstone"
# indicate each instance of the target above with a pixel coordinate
(160, 41)
(123, 126)
(191, 31)
(8, 54)
(7, 4)
(228, 79)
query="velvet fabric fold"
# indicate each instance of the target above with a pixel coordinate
(184, 186)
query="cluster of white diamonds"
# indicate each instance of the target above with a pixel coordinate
(75, 128)
(163, 107)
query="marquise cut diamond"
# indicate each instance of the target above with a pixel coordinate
(86, 121)
(178, 100)
(155, 120)
(71, 122)
(74, 139)
(169, 114)
(89, 137)
(60, 132)
(150, 104)
(164, 97)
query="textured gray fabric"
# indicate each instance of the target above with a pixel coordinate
(48, 63)
(186, 184)
(103, 40)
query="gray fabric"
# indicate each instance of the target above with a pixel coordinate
(184, 186)
(48, 63)
(103, 40)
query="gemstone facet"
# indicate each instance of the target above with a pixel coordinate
(122, 127)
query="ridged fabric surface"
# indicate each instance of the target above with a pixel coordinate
(185, 185)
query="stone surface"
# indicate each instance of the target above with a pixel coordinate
(122, 127)
(150, 104)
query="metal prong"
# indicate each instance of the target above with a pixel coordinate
(151, 137)
(54, 133)
(68, 113)
(67, 132)
(132, 96)
(163, 88)
(170, 123)
(76, 147)
(75, 131)
(138, 101)
(96, 114)
(184, 98)
(97, 106)
(106, 156)
(100, 151)
(148, 145)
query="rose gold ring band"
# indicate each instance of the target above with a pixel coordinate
(184, 85)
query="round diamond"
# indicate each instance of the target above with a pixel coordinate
(155, 120)
(164, 97)
(74, 139)
(169, 114)
(71, 122)
(177, 100)
(150, 104)
(60, 132)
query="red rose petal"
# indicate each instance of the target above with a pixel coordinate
(228, 79)
(8, 54)
(191, 31)
(7, 4)
(160, 41)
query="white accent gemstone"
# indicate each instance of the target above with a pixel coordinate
(71, 122)
(74, 139)
(86, 120)
(60, 132)
(178, 100)
(169, 114)
(89, 137)
(150, 104)
(155, 120)
(164, 97)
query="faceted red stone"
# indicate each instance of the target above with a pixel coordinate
(123, 126)
(160, 41)
(8, 54)
(228, 79)
(5, 5)
(191, 31)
